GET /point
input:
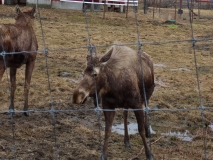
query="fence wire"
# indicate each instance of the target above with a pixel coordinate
(197, 76)
(52, 111)
(98, 110)
(91, 51)
(141, 68)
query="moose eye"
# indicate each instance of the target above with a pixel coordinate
(94, 75)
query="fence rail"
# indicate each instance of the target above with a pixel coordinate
(107, 2)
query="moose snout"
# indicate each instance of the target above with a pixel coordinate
(79, 96)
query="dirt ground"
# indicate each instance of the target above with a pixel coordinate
(74, 132)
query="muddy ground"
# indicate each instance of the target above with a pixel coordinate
(74, 132)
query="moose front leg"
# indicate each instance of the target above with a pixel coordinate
(109, 116)
(12, 87)
(28, 74)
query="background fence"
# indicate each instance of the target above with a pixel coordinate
(178, 9)
(180, 108)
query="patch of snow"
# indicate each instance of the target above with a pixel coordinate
(211, 126)
(186, 136)
(159, 65)
(181, 69)
(132, 129)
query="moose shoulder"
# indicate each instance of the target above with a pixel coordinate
(18, 37)
(121, 75)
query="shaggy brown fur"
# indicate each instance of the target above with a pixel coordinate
(16, 38)
(119, 77)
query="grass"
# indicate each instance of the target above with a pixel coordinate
(173, 26)
(77, 133)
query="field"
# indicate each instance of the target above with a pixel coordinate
(75, 132)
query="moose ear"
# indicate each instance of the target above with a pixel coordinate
(17, 9)
(107, 56)
(33, 10)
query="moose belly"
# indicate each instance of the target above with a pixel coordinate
(16, 60)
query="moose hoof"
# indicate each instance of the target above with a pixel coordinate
(127, 145)
(26, 114)
(150, 157)
(103, 157)
(148, 135)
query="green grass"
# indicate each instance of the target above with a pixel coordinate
(195, 24)
(173, 26)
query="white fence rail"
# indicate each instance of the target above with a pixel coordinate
(107, 2)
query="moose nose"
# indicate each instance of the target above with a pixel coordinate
(79, 97)
(75, 96)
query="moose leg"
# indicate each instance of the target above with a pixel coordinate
(141, 129)
(12, 87)
(28, 75)
(126, 135)
(109, 116)
(1, 73)
(147, 126)
(96, 101)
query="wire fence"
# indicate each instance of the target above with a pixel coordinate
(178, 9)
(193, 40)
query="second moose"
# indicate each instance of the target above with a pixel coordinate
(18, 37)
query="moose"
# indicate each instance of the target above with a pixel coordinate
(119, 78)
(19, 38)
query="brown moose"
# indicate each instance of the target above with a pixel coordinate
(119, 78)
(16, 38)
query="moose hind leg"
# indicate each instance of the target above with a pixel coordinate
(28, 75)
(1, 73)
(147, 127)
(126, 135)
(109, 116)
(2, 70)
(141, 129)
